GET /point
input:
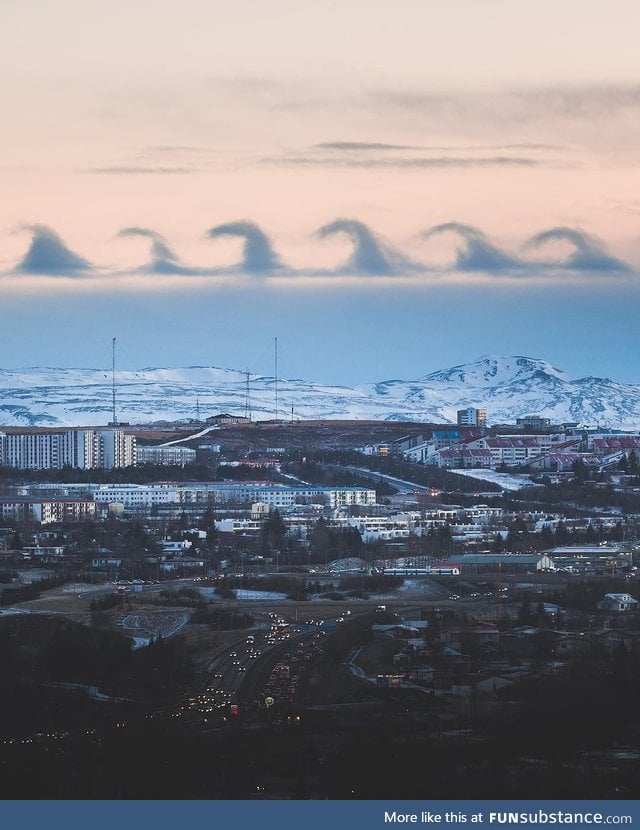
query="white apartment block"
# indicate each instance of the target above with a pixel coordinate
(116, 449)
(172, 456)
(46, 510)
(421, 453)
(513, 450)
(372, 528)
(53, 449)
(471, 417)
(137, 496)
(276, 496)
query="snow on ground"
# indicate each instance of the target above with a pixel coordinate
(352, 563)
(419, 588)
(508, 481)
(242, 593)
(79, 588)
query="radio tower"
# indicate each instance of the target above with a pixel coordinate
(247, 397)
(114, 420)
(276, 361)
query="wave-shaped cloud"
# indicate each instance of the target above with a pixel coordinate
(47, 254)
(163, 259)
(475, 253)
(371, 256)
(259, 257)
(589, 253)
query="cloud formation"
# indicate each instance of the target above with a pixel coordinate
(588, 255)
(259, 257)
(163, 258)
(403, 162)
(475, 253)
(371, 256)
(49, 255)
(565, 103)
(357, 146)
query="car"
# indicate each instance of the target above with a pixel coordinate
(236, 662)
(242, 668)
(233, 654)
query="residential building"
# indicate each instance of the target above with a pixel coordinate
(533, 422)
(53, 449)
(137, 496)
(171, 456)
(276, 496)
(471, 417)
(462, 457)
(47, 510)
(116, 449)
(620, 603)
(224, 419)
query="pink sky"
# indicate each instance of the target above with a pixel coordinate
(178, 116)
(181, 115)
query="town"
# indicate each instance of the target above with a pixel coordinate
(342, 609)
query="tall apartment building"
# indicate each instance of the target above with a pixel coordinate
(472, 417)
(53, 449)
(116, 449)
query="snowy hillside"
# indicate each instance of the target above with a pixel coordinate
(507, 387)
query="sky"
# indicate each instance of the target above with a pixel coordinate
(387, 188)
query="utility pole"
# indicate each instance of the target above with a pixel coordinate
(247, 396)
(114, 420)
(276, 368)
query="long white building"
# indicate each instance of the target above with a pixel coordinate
(53, 449)
(142, 496)
(275, 495)
(167, 456)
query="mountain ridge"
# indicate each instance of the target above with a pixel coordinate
(507, 387)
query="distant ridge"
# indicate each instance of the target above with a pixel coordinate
(507, 387)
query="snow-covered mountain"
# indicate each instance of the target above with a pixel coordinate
(507, 387)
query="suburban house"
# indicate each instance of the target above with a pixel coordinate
(618, 602)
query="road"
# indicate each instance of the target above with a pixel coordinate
(405, 487)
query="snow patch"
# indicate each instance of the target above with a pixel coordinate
(508, 481)
(242, 593)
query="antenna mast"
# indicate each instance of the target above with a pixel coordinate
(276, 360)
(113, 381)
(247, 397)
